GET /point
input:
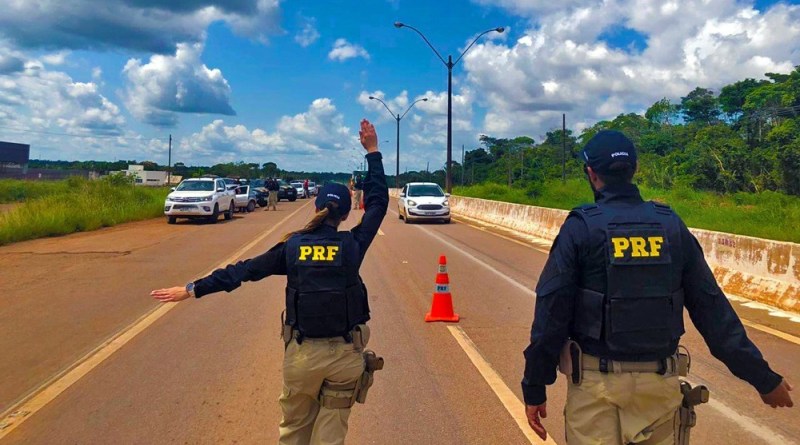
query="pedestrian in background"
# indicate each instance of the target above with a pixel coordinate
(325, 368)
(609, 303)
(274, 189)
(358, 186)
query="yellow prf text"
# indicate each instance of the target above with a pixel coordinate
(318, 253)
(638, 246)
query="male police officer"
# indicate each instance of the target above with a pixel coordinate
(325, 368)
(619, 274)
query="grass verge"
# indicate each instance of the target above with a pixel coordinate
(75, 205)
(768, 215)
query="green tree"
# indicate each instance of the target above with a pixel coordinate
(700, 106)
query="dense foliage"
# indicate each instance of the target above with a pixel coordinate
(746, 138)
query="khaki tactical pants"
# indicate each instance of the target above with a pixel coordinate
(305, 367)
(357, 199)
(622, 408)
(273, 200)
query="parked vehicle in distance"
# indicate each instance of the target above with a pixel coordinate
(312, 188)
(245, 198)
(287, 191)
(423, 201)
(231, 183)
(301, 191)
(199, 198)
(259, 186)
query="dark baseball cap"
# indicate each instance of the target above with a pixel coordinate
(337, 193)
(606, 148)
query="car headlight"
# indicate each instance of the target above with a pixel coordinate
(412, 203)
(446, 203)
(207, 198)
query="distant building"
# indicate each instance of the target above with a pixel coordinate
(14, 159)
(144, 177)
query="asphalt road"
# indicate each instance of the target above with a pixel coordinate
(209, 371)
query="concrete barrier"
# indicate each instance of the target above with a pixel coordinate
(757, 269)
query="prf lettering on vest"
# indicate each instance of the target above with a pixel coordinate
(638, 246)
(318, 253)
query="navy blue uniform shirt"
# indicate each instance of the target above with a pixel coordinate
(273, 262)
(708, 307)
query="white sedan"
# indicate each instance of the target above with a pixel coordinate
(423, 201)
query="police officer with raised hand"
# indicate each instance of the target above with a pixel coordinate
(609, 314)
(326, 368)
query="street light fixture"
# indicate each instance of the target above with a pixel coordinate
(449, 64)
(398, 118)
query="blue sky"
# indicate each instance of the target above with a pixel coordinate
(288, 81)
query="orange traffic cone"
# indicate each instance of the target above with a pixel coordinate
(442, 306)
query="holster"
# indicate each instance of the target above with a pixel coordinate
(688, 418)
(571, 362)
(372, 363)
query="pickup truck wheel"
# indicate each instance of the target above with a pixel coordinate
(251, 206)
(229, 213)
(215, 215)
(172, 220)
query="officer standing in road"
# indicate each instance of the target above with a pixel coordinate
(325, 368)
(274, 189)
(358, 186)
(609, 304)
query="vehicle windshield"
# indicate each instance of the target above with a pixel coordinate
(425, 190)
(195, 186)
(257, 183)
(312, 184)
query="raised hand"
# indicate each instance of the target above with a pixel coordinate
(369, 139)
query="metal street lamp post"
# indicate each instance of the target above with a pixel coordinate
(398, 118)
(449, 64)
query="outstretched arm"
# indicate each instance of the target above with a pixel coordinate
(272, 262)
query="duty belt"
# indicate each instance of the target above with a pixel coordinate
(668, 365)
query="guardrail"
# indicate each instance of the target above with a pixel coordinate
(758, 269)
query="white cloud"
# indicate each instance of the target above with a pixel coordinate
(144, 25)
(308, 34)
(343, 50)
(319, 135)
(562, 64)
(39, 99)
(175, 84)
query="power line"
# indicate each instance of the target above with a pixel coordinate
(22, 130)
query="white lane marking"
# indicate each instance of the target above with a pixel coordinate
(746, 423)
(48, 391)
(503, 276)
(514, 406)
(783, 335)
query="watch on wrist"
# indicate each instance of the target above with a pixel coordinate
(190, 290)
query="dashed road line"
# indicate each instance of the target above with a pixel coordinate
(514, 406)
(52, 388)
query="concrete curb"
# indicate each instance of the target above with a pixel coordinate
(758, 269)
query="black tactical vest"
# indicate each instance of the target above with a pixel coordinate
(631, 298)
(325, 296)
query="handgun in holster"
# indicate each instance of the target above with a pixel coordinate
(692, 396)
(372, 363)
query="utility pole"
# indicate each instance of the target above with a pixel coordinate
(462, 164)
(169, 161)
(564, 147)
